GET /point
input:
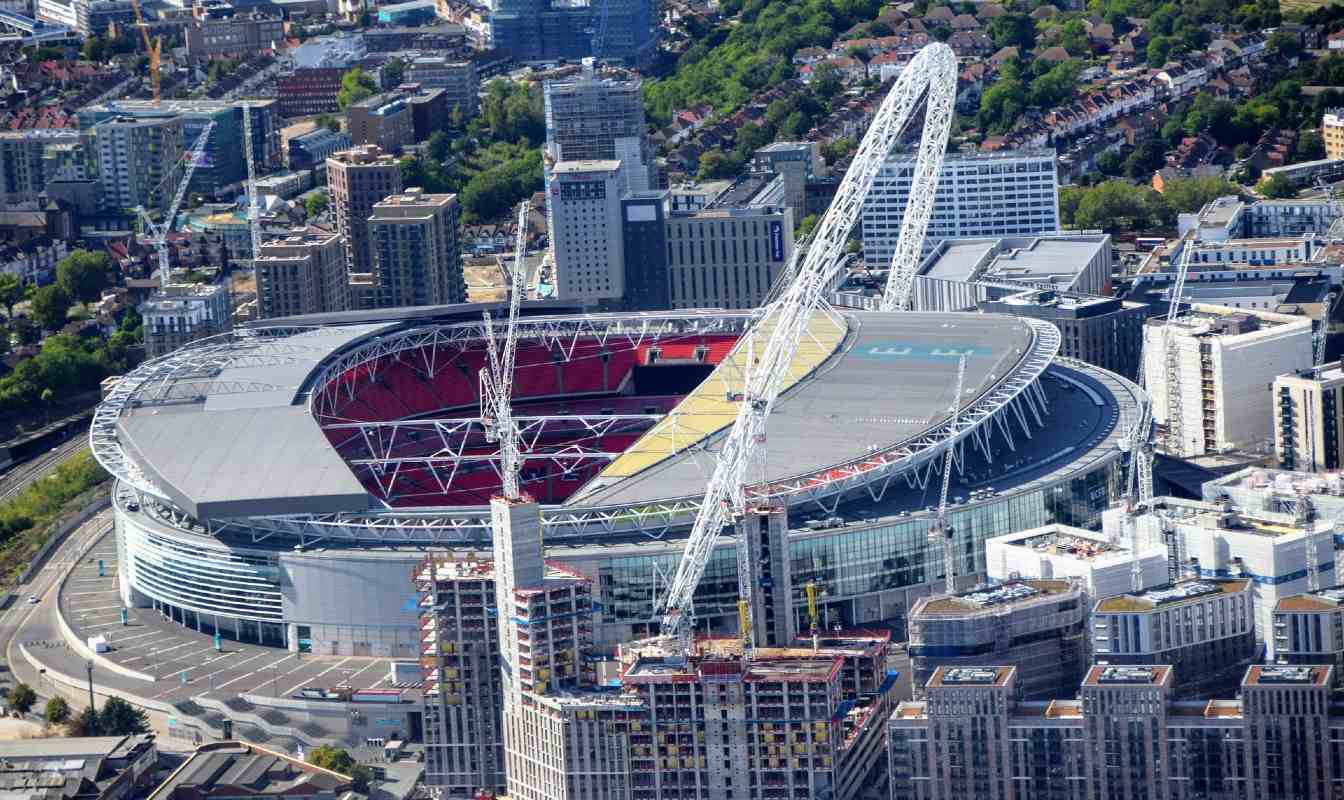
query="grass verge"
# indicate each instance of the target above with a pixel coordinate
(29, 518)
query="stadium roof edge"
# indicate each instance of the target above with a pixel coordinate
(409, 313)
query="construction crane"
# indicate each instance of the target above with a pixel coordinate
(813, 618)
(497, 379)
(782, 324)
(253, 206)
(153, 48)
(1303, 517)
(159, 233)
(599, 29)
(940, 533)
(1139, 442)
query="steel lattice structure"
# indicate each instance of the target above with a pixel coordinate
(932, 72)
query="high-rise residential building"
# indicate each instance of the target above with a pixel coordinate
(456, 77)
(26, 164)
(1124, 738)
(136, 158)
(1103, 331)
(184, 313)
(543, 30)
(644, 246)
(416, 258)
(302, 273)
(1213, 540)
(599, 119)
(384, 121)
(1204, 627)
(1048, 620)
(1009, 193)
(223, 170)
(357, 179)
(1309, 629)
(795, 163)
(309, 90)
(1308, 408)
(1332, 131)
(583, 212)
(1209, 374)
(727, 257)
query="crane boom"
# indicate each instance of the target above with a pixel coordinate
(784, 321)
(253, 207)
(154, 49)
(940, 533)
(159, 233)
(497, 379)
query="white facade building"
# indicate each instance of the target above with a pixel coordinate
(1217, 396)
(1056, 552)
(996, 194)
(583, 212)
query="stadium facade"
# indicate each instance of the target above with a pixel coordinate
(281, 483)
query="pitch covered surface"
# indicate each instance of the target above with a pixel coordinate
(892, 377)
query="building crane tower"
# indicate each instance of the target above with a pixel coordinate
(497, 379)
(159, 233)
(253, 206)
(153, 48)
(781, 326)
(940, 533)
(1139, 442)
(1304, 515)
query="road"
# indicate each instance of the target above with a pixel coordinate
(18, 478)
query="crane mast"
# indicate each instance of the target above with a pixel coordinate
(940, 533)
(154, 49)
(253, 207)
(497, 379)
(159, 233)
(932, 71)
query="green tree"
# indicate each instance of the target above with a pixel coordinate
(1013, 30)
(360, 778)
(394, 71)
(50, 307)
(356, 85)
(826, 81)
(806, 227)
(329, 122)
(1284, 44)
(1000, 105)
(1056, 85)
(120, 718)
(11, 292)
(87, 723)
(57, 710)
(1116, 206)
(1159, 51)
(1187, 195)
(22, 697)
(838, 150)
(713, 164)
(1310, 146)
(83, 274)
(1278, 187)
(1073, 37)
(333, 758)
(316, 203)
(439, 147)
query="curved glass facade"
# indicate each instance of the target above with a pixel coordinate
(198, 579)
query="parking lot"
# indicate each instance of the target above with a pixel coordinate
(185, 663)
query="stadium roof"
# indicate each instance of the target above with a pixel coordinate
(891, 376)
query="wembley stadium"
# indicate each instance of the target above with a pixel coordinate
(278, 484)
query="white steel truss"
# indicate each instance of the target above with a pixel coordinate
(931, 71)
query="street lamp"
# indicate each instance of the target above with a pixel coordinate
(88, 665)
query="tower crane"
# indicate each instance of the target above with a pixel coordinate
(1304, 515)
(253, 207)
(783, 323)
(1139, 442)
(813, 618)
(159, 233)
(940, 533)
(497, 379)
(154, 49)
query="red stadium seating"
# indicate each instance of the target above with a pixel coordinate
(590, 378)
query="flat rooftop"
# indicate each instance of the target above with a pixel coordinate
(1281, 675)
(1221, 211)
(1057, 260)
(1171, 595)
(991, 599)
(1310, 602)
(1103, 675)
(944, 677)
(1064, 541)
(601, 165)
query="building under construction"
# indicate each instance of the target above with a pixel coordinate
(522, 702)
(1038, 626)
(1056, 552)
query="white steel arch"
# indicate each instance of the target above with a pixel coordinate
(932, 72)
